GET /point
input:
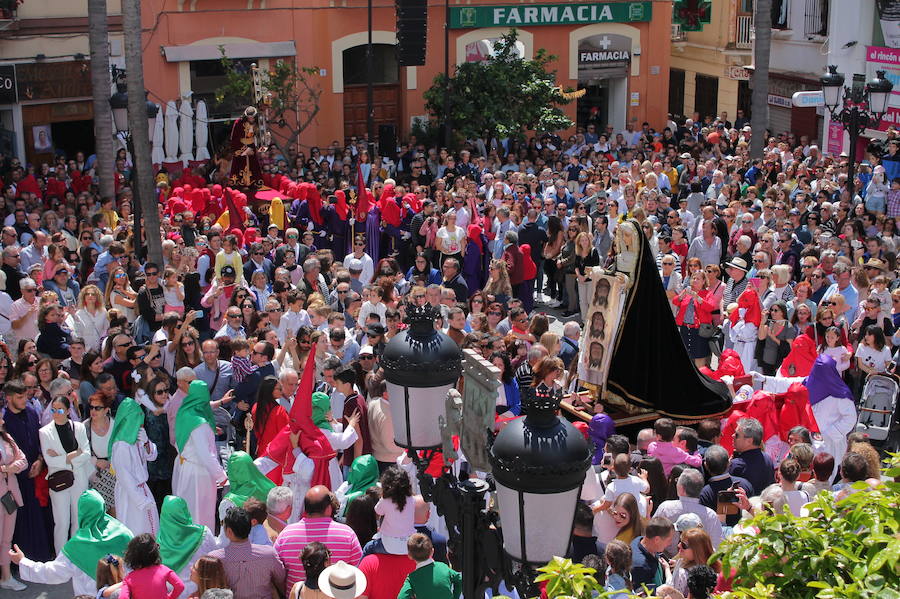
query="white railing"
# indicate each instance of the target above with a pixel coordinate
(744, 37)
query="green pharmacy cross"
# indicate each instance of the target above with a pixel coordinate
(692, 14)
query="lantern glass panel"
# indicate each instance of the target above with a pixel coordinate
(548, 523)
(426, 404)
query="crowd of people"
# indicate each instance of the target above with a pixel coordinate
(148, 440)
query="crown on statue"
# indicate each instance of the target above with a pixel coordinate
(421, 314)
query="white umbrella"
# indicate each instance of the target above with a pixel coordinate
(171, 145)
(157, 155)
(186, 132)
(201, 132)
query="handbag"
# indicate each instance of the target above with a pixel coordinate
(9, 502)
(61, 480)
(102, 481)
(708, 330)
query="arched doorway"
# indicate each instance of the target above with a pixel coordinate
(386, 89)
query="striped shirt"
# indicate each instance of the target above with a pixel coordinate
(339, 538)
(251, 570)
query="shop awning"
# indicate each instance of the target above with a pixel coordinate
(234, 50)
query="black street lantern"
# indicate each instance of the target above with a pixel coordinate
(856, 108)
(421, 364)
(539, 463)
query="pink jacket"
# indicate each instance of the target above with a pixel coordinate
(671, 456)
(14, 460)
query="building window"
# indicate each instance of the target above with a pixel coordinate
(384, 63)
(706, 95)
(209, 75)
(676, 92)
(815, 19)
(780, 10)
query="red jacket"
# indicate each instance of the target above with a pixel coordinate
(702, 311)
(514, 264)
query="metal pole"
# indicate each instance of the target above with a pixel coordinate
(448, 119)
(472, 491)
(854, 131)
(370, 101)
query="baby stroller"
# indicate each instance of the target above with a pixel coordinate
(877, 410)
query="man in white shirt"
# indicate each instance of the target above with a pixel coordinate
(23, 314)
(359, 253)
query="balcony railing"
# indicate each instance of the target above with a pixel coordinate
(815, 19)
(744, 37)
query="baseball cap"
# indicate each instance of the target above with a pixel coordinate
(228, 271)
(367, 351)
(376, 329)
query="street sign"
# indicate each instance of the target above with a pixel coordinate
(808, 99)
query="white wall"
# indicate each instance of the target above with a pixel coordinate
(795, 52)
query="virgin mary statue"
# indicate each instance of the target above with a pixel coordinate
(650, 366)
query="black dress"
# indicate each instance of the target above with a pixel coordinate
(650, 366)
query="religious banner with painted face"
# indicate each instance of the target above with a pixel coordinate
(601, 325)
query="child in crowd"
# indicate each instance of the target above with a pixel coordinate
(879, 291)
(397, 507)
(148, 578)
(789, 469)
(110, 574)
(666, 450)
(625, 482)
(241, 366)
(618, 570)
(833, 347)
(258, 513)
(173, 290)
(431, 579)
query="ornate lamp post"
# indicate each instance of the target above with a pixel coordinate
(539, 462)
(119, 104)
(856, 108)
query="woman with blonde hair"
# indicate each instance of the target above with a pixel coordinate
(551, 342)
(694, 548)
(586, 257)
(781, 284)
(498, 281)
(90, 320)
(120, 295)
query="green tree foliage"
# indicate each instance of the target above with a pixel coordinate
(844, 550)
(504, 95)
(291, 97)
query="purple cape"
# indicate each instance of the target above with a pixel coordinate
(601, 428)
(824, 381)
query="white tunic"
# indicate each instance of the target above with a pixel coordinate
(743, 336)
(339, 440)
(135, 505)
(196, 474)
(836, 417)
(208, 544)
(59, 571)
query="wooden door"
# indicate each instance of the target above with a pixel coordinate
(386, 104)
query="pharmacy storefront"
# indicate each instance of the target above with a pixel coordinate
(616, 52)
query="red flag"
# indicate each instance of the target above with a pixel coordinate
(313, 441)
(362, 200)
